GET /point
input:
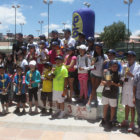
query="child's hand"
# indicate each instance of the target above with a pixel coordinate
(81, 68)
(109, 83)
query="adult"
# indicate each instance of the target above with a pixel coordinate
(43, 37)
(90, 44)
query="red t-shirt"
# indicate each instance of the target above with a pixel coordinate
(68, 61)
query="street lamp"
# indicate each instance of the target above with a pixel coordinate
(64, 24)
(48, 2)
(15, 7)
(21, 25)
(41, 22)
(87, 4)
(128, 2)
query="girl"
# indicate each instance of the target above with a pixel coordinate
(70, 61)
(83, 64)
(96, 73)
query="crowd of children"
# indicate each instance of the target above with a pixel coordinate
(63, 66)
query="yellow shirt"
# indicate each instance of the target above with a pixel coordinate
(47, 84)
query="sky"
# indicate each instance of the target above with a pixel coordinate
(32, 11)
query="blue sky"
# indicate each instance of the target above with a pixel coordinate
(32, 11)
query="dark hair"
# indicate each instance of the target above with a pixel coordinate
(96, 54)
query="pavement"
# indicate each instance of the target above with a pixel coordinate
(37, 127)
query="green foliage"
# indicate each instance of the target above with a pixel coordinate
(114, 33)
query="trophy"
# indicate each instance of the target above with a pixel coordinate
(3, 85)
(108, 77)
(19, 85)
(65, 42)
(125, 74)
(30, 85)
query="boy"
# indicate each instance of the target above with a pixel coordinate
(110, 92)
(4, 85)
(59, 90)
(136, 99)
(20, 96)
(32, 80)
(47, 87)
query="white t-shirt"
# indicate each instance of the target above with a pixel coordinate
(98, 71)
(71, 42)
(42, 55)
(36, 46)
(24, 63)
(128, 86)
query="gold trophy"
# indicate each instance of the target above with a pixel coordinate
(3, 86)
(65, 42)
(125, 74)
(19, 85)
(108, 77)
(30, 75)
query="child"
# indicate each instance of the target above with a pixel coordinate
(32, 80)
(110, 92)
(4, 85)
(83, 64)
(127, 91)
(20, 96)
(136, 99)
(47, 87)
(61, 74)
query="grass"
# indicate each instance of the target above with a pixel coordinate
(121, 110)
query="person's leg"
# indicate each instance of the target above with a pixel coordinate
(85, 88)
(71, 80)
(138, 111)
(132, 114)
(112, 113)
(81, 89)
(35, 90)
(97, 83)
(127, 109)
(105, 107)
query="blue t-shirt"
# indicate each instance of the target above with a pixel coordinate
(22, 83)
(35, 77)
(6, 79)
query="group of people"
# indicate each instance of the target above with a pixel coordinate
(63, 69)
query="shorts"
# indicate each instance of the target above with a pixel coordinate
(20, 98)
(72, 74)
(127, 100)
(92, 75)
(4, 98)
(110, 102)
(57, 96)
(46, 95)
(33, 92)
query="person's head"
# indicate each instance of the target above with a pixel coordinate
(111, 54)
(82, 49)
(71, 51)
(81, 37)
(42, 44)
(31, 48)
(59, 61)
(32, 65)
(47, 66)
(67, 33)
(30, 38)
(19, 37)
(90, 42)
(54, 34)
(55, 45)
(20, 56)
(114, 66)
(19, 70)
(42, 37)
(2, 70)
(98, 49)
(131, 57)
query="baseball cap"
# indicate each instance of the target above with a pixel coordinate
(55, 43)
(33, 62)
(48, 64)
(90, 39)
(131, 53)
(42, 42)
(82, 34)
(59, 58)
(98, 44)
(83, 47)
(71, 48)
(67, 30)
(55, 31)
(111, 51)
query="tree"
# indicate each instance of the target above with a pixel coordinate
(114, 33)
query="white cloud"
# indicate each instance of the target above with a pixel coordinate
(121, 15)
(44, 14)
(7, 16)
(135, 33)
(70, 1)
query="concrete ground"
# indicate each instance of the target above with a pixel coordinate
(37, 127)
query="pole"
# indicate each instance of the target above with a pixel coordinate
(128, 24)
(48, 20)
(15, 23)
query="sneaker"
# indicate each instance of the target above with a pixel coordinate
(88, 107)
(17, 110)
(137, 131)
(57, 112)
(23, 112)
(50, 110)
(43, 111)
(36, 110)
(131, 127)
(30, 110)
(103, 122)
(124, 123)
(109, 125)
(61, 115)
